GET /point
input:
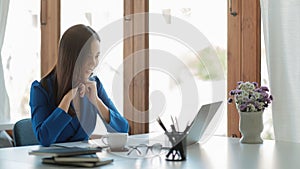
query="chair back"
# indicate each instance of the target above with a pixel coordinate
(23, 133)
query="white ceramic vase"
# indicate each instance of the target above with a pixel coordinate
(251, 126)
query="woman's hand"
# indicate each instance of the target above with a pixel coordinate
(81, 89)
(66, 101)
(72, 93)
(89, 89)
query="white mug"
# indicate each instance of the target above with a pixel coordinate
(116, 141)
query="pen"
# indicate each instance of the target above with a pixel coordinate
(173, 128)
(161, 124)
(173, 125)
(177, 123)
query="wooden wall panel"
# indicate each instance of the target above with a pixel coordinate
(234, 64)
(243, 51)
(50, 34)
(250, 29)
(141, 62)
(128, 63)
(136, 84)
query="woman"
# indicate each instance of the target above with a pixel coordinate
(65, 103)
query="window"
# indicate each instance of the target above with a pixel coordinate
(21, 54)
(100, 16)
(243, 49)
(166, 84)
(268, 132)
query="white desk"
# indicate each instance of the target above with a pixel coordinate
(217, 153)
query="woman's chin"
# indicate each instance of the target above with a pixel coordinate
(87, 76)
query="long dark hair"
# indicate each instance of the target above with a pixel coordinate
(72, 43)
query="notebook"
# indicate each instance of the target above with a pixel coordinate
(51, 160)
(78, 158)
(201, 122)
(59, 151)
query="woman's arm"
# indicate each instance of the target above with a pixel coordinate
(66, 100)
(104, 111)
(91, 90)
(48, 121)
(115, 120)
(107, 110)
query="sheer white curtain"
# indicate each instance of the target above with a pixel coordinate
(281, 21)
(4, 100)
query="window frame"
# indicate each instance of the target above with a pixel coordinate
(50, 34)
(243, 51)
(135, 39)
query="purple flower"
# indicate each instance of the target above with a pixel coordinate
(265, 95)
(238, 91)
(264, 88)
(249, 97)
(232, 92)
(255, 84)
(243, 107)
(268, 100)
(256, 105)
(258, 90)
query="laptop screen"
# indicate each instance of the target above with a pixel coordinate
(201, 122)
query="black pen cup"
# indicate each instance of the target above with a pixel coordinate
(178, 151)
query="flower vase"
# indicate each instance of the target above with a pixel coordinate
(251, 126)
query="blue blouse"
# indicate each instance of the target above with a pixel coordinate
(51, 124)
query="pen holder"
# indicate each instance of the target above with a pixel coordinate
(178, 150)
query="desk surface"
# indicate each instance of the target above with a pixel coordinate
(217, 153)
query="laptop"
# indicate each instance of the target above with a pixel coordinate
(201, 122)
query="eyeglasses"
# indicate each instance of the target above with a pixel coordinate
(143, 149)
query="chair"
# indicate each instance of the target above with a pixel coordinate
(23, 133)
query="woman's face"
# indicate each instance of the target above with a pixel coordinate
(92, 60)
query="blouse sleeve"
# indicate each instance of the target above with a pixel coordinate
(117, 122)
(47, 121)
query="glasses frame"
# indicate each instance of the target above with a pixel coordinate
(139, 152)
